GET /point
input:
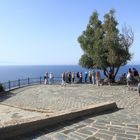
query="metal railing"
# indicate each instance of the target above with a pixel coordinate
(28, 81)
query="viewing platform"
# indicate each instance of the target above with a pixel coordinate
(76, 111)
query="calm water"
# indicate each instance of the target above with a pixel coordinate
(20, 72)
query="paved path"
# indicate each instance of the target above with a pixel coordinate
(123, 124)
(11, 115)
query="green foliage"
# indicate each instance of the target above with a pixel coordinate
(86, 61)
(103, 44)
(1, 88)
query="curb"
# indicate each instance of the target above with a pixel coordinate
(25, 127)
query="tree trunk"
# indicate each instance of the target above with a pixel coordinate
(117, 69)
(105, 72)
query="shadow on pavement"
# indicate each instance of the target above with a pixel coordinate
(60, 126)
(6, 95)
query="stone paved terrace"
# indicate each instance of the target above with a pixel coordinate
(123, 124)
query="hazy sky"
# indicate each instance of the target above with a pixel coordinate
(40, 32)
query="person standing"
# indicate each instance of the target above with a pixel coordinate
(63, 79)
(81, 77)
(51, 78)
(86, 76)
(73, 77)
(90, 76)
(98, 78)
(77, 75)
(69, 76)
(135, 74)
(46, 78)
(93, 77)
(129, 78)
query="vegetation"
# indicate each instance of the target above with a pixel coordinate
(1, 88)
(104, 46)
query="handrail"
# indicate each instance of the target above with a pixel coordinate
(26, 82)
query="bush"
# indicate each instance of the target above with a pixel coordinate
(1, 88)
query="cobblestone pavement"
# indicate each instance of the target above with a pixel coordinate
(10, 115)
(123, 124)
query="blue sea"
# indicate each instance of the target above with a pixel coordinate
(21, 72)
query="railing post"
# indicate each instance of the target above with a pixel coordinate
(40, 80)
(9, 84)
(19, 83)
(28, 81)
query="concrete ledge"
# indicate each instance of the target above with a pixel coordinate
(32, 125)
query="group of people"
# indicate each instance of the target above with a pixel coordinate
(79, 77)
(94, 77)
(48, 78)
(72, 77)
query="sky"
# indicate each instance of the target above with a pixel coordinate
(45, 32)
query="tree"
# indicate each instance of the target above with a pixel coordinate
(103, 44)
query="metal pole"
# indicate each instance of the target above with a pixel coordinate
(19, 83)
(28, 81)
(40, 80)
(9, 85)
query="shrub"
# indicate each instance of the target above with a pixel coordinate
(1, 88)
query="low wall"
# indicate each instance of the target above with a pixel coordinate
(18, 129)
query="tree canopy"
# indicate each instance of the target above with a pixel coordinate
(104, 46)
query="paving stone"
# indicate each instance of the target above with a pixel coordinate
(117, 124)
(92, 129)
(75, 136)
(103, 136)
(114, 127)
(81, 135)
(106, 132)
(133, 126)
(59, 136)
(133, 133)
(122, 138)
(68, 131)
(79, 126)
(127, 136)
(85, 131)
(117, 130)
(99, 126)
(92, 138)
(102, 122)
(130, 129)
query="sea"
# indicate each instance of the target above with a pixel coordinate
(33, 71)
